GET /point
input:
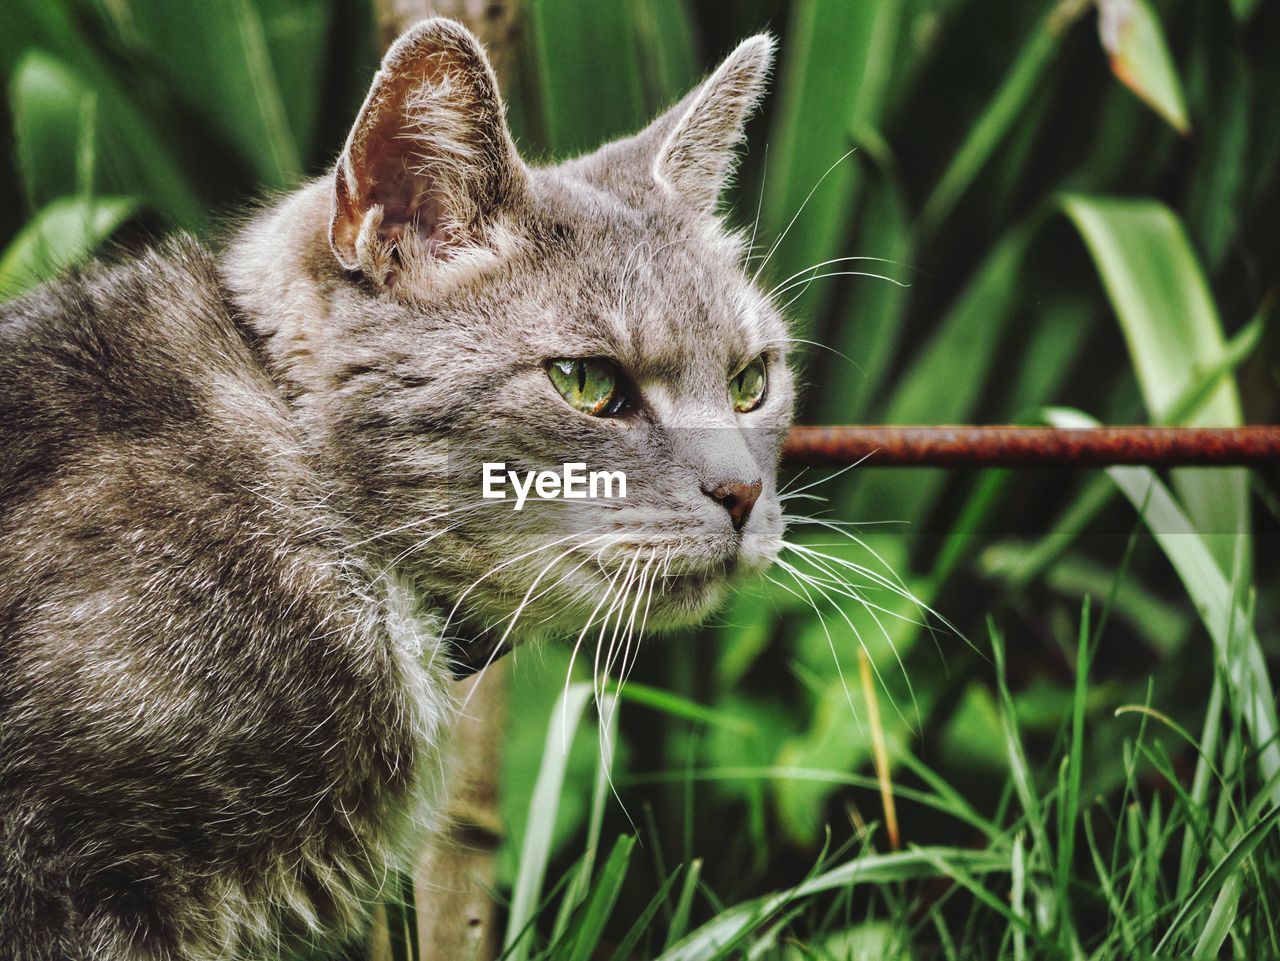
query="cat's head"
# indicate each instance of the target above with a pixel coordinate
(471, 309)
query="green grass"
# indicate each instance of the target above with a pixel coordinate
(1151, 866)
(1085, 765)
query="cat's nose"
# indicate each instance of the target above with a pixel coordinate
(737, 497)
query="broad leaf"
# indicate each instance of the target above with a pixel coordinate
(834, 66)
(1171, 326)
(60, 236)
(218, 57)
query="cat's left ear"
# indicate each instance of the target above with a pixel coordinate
(703, 132)
(429, 160)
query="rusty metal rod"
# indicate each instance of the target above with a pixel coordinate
(965, 446)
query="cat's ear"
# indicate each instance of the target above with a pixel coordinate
(430, 158)
(699, 151)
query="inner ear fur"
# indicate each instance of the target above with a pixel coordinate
(699, 151)
(429, 159)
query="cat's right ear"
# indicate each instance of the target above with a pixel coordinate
(429, 161)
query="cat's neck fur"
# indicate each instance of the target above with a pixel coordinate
(279, 269)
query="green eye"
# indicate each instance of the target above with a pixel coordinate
(589, 384)
(746, 387)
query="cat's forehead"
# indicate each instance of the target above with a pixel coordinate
(653, 282)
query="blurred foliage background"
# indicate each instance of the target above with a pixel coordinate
(1075, 208)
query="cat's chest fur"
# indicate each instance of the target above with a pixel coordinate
(216, 717)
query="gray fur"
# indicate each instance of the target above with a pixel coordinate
(240, 516)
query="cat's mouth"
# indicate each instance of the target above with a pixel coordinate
(636, 590)
(680, 583)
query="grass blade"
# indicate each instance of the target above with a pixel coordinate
(217, 55)
(599, 798)
(542, 813)
(1025, 77)
(710, 940)
(684, 905)
(629, 941)
(1235, 645)
(47, 99)
(584, 935)
(588, 70)
(676, 706)
(1217, 879)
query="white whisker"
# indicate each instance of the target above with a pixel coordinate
(786, 230)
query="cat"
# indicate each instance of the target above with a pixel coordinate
(242, 542)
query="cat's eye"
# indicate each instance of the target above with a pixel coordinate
(747, 386)
(589, 384)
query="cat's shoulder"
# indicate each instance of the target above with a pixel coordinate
(138, 315)
(148, 350)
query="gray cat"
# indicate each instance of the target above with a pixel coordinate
(243, 543)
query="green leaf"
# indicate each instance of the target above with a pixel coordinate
(943, 798)
(1219, 879)
(1221, 89)
(531, 693)
(137, 155)
(297, 34)
(832, 68)
(836, 740)
(626, 947)
(1174, 336)
(1098, 492)
(749, 621)
(972, 737)
(684, 904)
(600, 796)
(590, 921)
(1059, 330)
(1217, 926)
(1160, 297)
(1133, 39)
(668, 51)
(674, 705)
(970, 334)
(588, 68)
(48, 101)
(716, 938)
(1024, 784)
(1243, 9)
(60, 236)
(873, 324)
(216, 55)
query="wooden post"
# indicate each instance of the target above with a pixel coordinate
(495, 22)
(456, 871)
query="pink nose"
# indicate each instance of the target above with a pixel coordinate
(737, 498)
